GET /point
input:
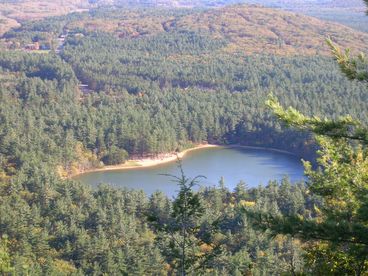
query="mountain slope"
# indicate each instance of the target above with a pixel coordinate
(248, 29)
(350, 13)
(14, 12)
(256, 29)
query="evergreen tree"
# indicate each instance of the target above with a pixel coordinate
(182, 228)
(337, 234)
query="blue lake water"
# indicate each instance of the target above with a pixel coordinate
(253, 166)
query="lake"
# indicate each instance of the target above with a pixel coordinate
(235, 164)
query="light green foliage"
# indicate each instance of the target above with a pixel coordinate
(180, 242)
(353, 68)
(337, 233)
(344, 127)
(5, 259)
(150, 95)
(63, 228)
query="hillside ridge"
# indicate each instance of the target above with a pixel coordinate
(255, 28)
(250, 29)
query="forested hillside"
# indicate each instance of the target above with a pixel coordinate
(13, 13)
(350, 13)
(112, 84)
(159, 93)
(254, 29)
(246, 29)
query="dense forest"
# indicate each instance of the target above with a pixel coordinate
(99, 97)
(14, 13)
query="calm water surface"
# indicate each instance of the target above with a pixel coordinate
(253, 166)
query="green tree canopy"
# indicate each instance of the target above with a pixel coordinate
(337, 232)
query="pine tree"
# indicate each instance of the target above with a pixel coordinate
(178, 234)
(337, 235)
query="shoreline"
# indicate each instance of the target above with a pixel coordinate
(146, 162)
(167, 158)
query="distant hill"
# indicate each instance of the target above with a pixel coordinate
(34, 9)
(350, 13)
(260, 29)
(13, 12)
(310, 4)
(246, 28)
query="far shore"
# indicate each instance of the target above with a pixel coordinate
(167, 158)
(148, 162)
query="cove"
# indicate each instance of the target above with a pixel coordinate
(253, 166)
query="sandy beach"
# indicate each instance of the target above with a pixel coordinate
(147, 162)
(166, 158)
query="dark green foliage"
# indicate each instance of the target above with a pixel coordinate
(340, 225)
(337, 235)
(43, 31)
(45, 67)
(178, 233)
(61, 227)
(46, 117)
(146, 96)
(115, 156)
